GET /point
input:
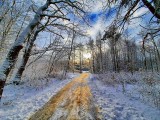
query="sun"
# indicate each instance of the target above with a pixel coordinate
(87, 55)
(89, 32)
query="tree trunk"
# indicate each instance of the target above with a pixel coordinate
(153, 10)
(70, 53)
(12, 55)
(74, 59)
(80, 60)
(101, 58)
(156, 60)
(25, 58)
(2, 83)
(145, 60)
(150, 55)
(93, 61)
(7, 66)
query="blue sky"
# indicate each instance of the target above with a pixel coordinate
(100, 19)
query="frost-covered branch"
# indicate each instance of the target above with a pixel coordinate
(13, 53)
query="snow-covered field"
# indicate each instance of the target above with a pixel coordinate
(20, 102)
(112, 104)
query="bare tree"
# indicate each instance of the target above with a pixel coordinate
(92, 47)
(18, 44)
(99, 46)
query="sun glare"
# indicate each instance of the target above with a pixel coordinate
(87, 55)
(89, 32)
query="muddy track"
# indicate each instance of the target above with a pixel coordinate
(72, 102)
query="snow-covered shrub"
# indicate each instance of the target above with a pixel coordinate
(108, 78)
(112, 78)
(149, 88)
(61, 75)
(38, 83)
(147, 84)
(40, 69)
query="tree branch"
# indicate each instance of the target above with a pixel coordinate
(151, 8)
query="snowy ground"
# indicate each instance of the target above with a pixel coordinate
(20, 102)
(112, 104)
(72, 102)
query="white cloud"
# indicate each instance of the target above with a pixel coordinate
(95, 5)
(98, 26)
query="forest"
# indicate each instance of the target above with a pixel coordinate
(79, 59)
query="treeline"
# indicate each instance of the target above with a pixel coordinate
(114, 51)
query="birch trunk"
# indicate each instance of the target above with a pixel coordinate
(17, 46)
(25, 58)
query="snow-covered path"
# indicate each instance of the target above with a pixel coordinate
(72, 102)
(78, 99)
(20, 102)
(112, 104)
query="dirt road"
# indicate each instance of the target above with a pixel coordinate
(73, 102)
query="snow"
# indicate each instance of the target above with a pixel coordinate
(20, 102)
(2, 68)
(21, 39)
(114, 105)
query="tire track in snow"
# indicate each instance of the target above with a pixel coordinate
(72, 102)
